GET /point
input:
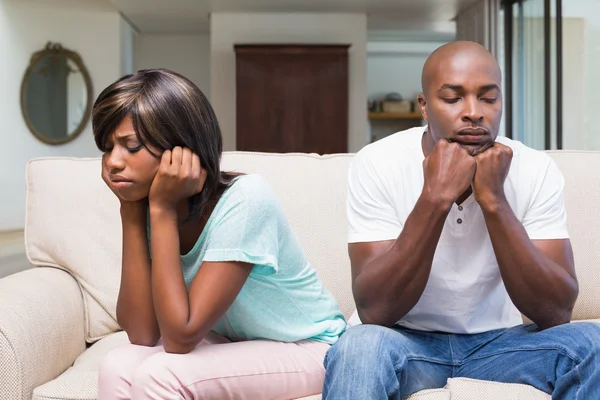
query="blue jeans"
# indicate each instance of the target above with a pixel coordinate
(373, 362)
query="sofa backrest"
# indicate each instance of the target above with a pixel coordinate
(73, 222)
(581, 170)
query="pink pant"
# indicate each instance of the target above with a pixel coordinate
(216, 369)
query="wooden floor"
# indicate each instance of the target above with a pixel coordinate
(12, 253)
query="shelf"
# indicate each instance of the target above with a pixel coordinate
(383, 115)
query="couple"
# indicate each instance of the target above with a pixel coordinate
(453, 233)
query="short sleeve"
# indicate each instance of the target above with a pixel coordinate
(246, 228)
(371, 215)
(546, 217)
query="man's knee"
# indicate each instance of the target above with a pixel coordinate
(362, 343)
(580, 339)
(586, 337)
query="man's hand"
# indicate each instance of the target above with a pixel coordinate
(179, 177)
(449, 171)
(492, 169)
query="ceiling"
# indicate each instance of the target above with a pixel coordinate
(192, 16)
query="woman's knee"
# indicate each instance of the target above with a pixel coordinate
(155, 378)
(117, 369)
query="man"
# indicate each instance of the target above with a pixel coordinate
(453, 233)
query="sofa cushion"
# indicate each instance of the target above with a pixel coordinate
(73, 223)
(312, 190)
(582, 199)
(80, 382)
(472, 389)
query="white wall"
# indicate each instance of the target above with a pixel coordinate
(90, 28)
(396, 67)
(188, 55)
(228, 29)
(127, 51)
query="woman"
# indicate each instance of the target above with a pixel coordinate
(216, 296)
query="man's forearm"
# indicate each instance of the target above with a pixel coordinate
(540, 288)
(391, 284)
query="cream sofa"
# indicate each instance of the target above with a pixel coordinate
(57, 321)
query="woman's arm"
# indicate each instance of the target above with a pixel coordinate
(135, 310)
(184, 318)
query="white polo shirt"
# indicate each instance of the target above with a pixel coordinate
(465, 292)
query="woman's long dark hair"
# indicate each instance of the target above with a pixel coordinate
(167, 110)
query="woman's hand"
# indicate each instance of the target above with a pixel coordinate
(179, 177)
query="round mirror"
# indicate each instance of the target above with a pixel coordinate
(56, 95)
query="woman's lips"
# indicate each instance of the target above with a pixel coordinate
(121, 184)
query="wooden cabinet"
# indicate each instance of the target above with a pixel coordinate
(292, 98)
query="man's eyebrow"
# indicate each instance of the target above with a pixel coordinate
(491, 86)
(484, 88)
(451, 87)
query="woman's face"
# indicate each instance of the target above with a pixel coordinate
(127, 166)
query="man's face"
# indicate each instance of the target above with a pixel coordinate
(463, 102)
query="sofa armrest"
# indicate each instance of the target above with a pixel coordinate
(41, 329)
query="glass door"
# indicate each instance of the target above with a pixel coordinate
(532, 72)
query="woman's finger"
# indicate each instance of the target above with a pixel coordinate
(196, 167)
(186, 160)
(176, 156)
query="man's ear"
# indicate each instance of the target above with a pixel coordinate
(422, 105)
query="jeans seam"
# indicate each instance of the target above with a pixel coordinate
(451, 354)
(565, 352)
(578, 378)
(398, 367)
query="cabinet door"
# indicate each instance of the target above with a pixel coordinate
(292, 101)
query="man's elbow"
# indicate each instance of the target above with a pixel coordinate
(557, 318)
(373, 317)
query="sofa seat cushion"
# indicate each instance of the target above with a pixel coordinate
(472, 389)
(80, 382)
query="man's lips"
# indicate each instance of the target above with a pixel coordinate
(472, 136)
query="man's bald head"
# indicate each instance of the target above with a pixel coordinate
(462, 92)
(461, 52)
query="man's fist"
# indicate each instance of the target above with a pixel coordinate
(449, 171)
(492, 169)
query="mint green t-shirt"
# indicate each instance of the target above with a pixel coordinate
(282, 299)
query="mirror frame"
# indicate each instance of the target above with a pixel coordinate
(55, 49)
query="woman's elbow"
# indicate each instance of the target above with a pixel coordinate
(143, 339)
(174, 347)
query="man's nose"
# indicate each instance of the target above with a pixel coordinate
(472, 110)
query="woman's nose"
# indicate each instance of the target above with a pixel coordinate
(115, 160)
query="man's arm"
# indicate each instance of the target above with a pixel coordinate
(389, 277)
(539, 275)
